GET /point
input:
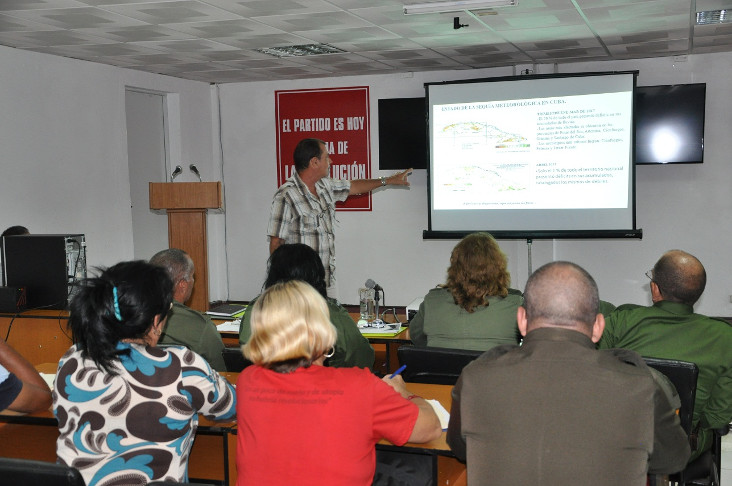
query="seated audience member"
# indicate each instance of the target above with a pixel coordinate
(474, 309)
(16, 231)
(128, 410)
(300, 262)
(606, 308)
(670, 329)
(302, 423)
(21, 387)
(188, 327)
(556, 410)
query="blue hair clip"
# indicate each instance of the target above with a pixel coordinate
(117, 313)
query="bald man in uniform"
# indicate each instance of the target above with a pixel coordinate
(670, 329)
(555, 410)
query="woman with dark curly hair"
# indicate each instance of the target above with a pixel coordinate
(474, 309)
(297, 261)
(128, 410)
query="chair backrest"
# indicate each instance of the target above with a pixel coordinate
(26, 471)
(234, 360)
(683, 375)
(441, 366)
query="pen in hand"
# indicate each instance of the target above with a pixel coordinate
(398, 371)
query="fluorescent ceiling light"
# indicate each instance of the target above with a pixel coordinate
(456, 6)
(714, 17)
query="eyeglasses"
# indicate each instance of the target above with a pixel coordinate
(649, 274)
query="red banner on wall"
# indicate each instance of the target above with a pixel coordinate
(339, 117)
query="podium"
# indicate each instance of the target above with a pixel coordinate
(186, 204)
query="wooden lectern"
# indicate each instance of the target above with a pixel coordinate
(186, 204)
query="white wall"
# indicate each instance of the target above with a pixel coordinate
(685, 207)
(63, 149)
(63, 156)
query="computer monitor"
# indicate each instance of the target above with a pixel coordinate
(46, 266)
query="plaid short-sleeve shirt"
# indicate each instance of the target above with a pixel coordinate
(298, 216)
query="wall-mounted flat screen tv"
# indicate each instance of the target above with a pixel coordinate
(669, 124)
(402, 134)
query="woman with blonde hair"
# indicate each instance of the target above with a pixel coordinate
(475, 308)
(303, 423)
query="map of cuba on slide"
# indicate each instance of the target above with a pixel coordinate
(545, 153)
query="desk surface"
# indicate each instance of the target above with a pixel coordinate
(441, 393)
(33, 436)
(403, 336)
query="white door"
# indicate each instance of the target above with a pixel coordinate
(147, 155)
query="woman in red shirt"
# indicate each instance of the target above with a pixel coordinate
(303, 423)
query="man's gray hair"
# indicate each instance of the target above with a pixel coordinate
(176, 262)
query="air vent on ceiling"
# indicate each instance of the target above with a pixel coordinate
(302, 50)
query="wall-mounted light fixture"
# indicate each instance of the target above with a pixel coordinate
(456, 6)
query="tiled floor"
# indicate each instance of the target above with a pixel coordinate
(726, 473)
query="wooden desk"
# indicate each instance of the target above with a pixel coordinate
(445, 466)
(386, 345)
(40, 336)
(213, 456)
(390, 344)
(33, 436)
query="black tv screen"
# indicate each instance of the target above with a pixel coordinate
(402, 134)
(669, 124)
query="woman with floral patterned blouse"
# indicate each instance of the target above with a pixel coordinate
(128, 410)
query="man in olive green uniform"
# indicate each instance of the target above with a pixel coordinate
(670, 329)
(556, 410)
(186, 326)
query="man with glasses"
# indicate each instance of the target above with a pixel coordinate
(303, 209)
(670, 329)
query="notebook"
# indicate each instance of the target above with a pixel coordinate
(227, 310)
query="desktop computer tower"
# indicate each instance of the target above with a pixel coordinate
(46, 266)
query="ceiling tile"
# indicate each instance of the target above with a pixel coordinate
(215, 40)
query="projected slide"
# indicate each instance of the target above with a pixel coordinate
(560, 152)
(537, 156)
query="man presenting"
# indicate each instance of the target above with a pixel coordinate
(186, 326)
(303, 208)
(670, 329)
(557, 411)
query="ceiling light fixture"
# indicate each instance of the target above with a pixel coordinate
(456, 6)
(301, 50)
(723, 16)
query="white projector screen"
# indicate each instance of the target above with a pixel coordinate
(532, 156)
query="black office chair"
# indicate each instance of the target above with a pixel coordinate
(441, 366)
(705, 469)
(234, 360)
(683, 375)
(30, 472)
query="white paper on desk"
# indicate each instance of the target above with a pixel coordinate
(442, 414)
(48, 378)
(232, 326)
(388, 329)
